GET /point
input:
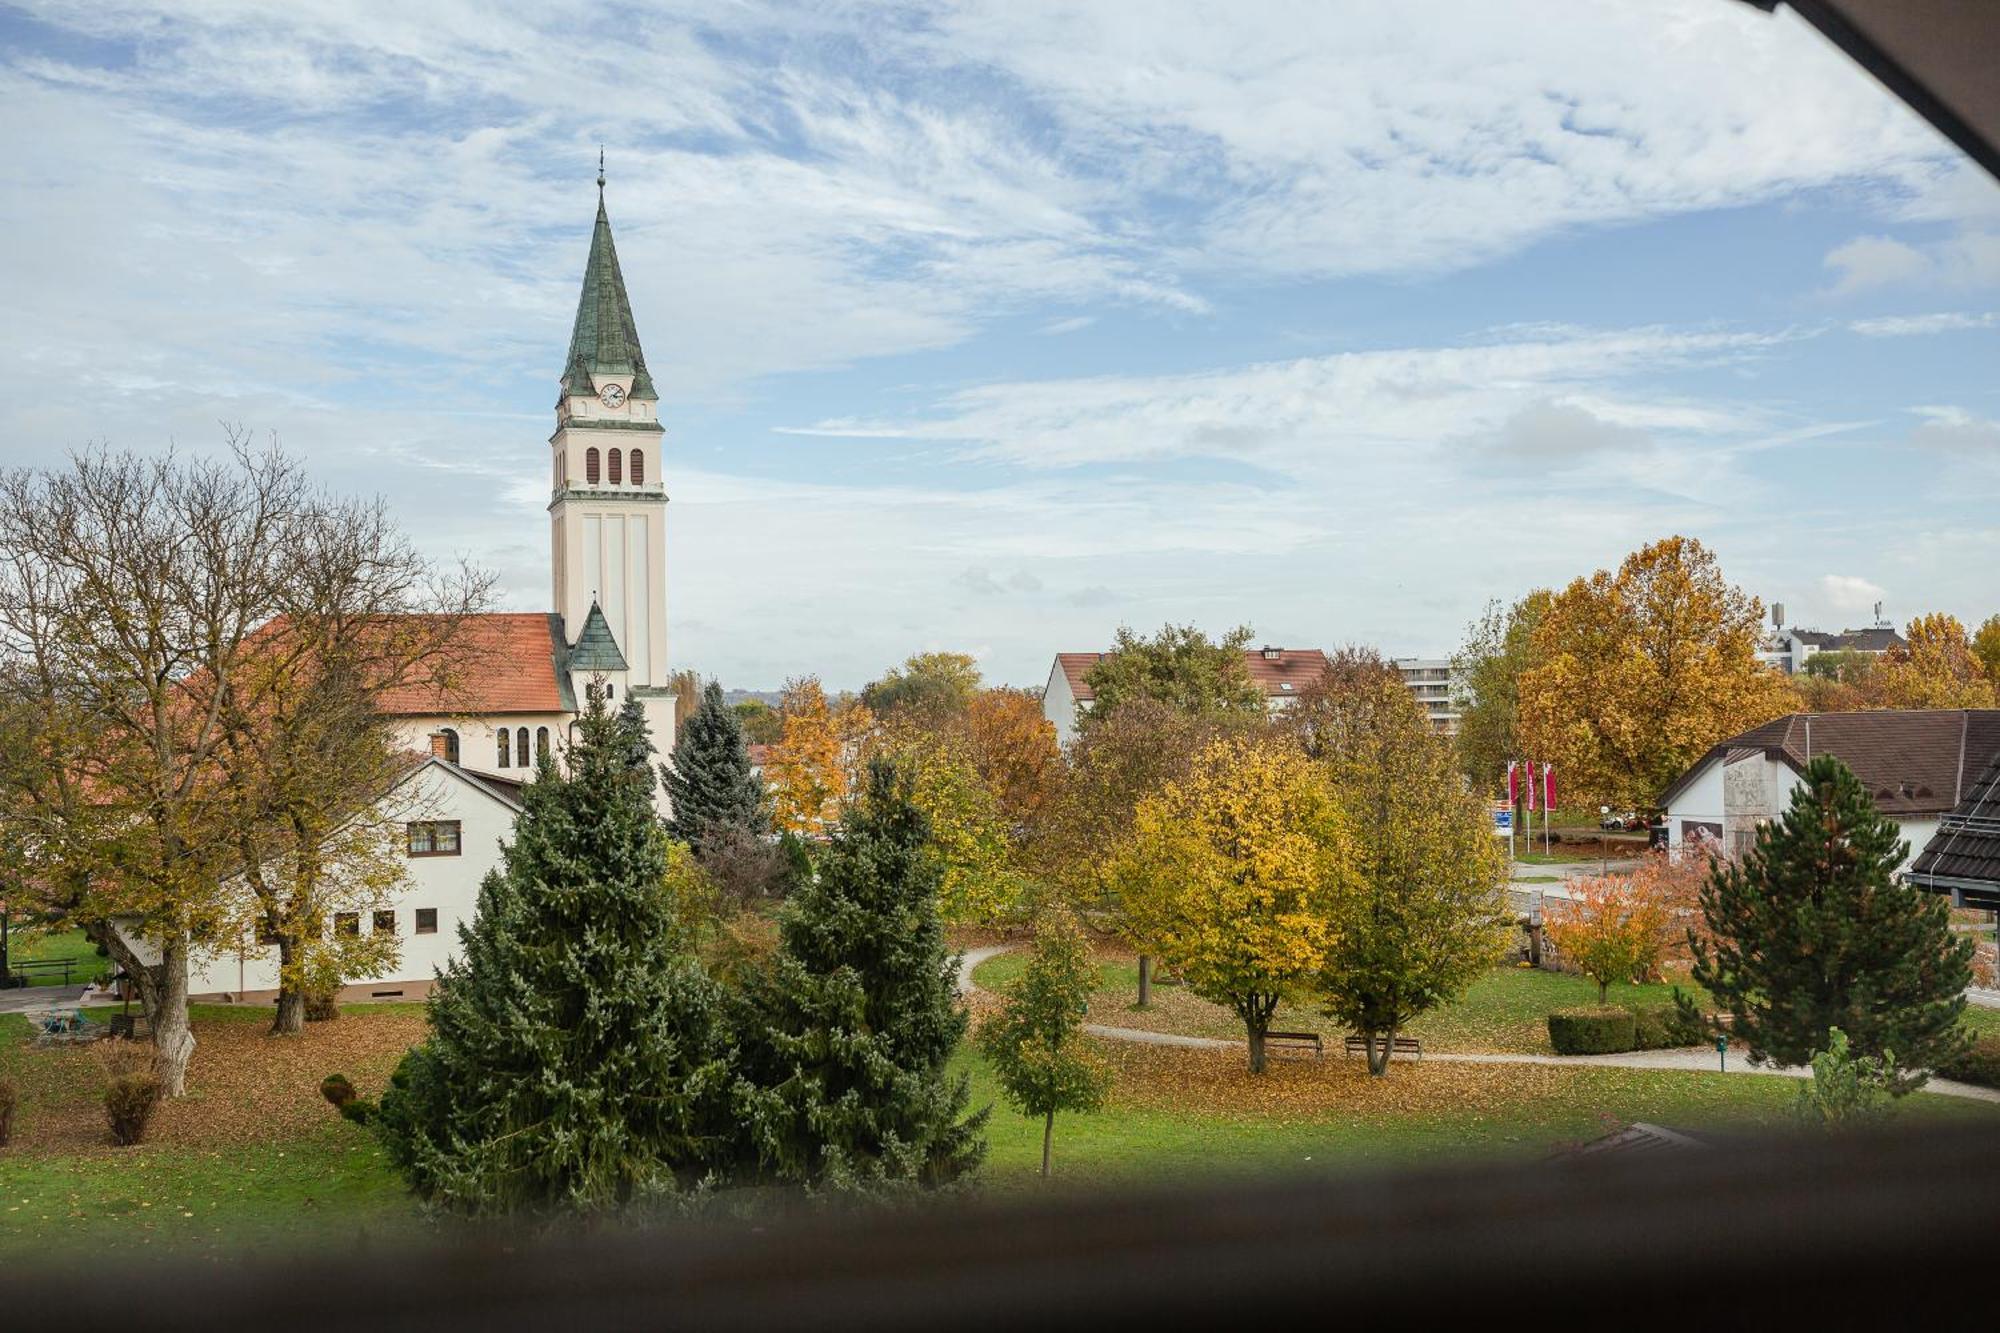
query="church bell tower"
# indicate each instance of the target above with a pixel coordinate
(608, 505)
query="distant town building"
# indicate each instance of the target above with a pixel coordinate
(1432, 680)
(1282, 673)
(1790, 649)
(1919, 764)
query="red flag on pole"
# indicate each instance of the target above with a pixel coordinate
(1548, 786)
(1513, 783)
(1530, 766)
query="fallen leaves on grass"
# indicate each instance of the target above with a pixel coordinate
(1220, 1083)
(244, 1085)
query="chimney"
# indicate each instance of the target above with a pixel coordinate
(438, 744)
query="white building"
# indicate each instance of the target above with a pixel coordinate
(1282, 673)
(1790, 649)
(1918, 764)
(526, 673)
(1434, 682)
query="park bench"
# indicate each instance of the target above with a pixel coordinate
(29, 971)
(1406, 1046)
(1295, 1041)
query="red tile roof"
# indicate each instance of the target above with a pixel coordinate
(509, 665)
(1289, 674)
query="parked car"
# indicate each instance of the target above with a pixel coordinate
(1618, 821)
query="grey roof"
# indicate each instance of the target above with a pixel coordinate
(1638, 1138)
(605, 340)
(596, 648)
(1879, 639)
(1913, 761)
(1965, 851)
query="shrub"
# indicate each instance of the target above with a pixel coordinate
(1978, 1063)
(337, 1090)
(358, 1110)
(9, 1098)
(129, 1100)
(1847, 1091)
(1592, 1031)
(1661, 1027)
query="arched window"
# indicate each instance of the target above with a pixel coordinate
(590, 465)
(617, 471)
(541, 742)
(506, 746)
(450, 746)
(521, 746)
(638, 468)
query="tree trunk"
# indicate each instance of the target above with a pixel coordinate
(163, 992)
(1145, 982)
(291, 1016)
(1048, 1137)
(1378, 1055)
(1603, 993)
(173, 1040)
(1256, 1033)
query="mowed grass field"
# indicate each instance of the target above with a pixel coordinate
(1505, 1011)
(254, 1160)
(86, 964)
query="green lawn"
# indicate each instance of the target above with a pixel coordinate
(313, 1181)
(86, 965)
(1506, 1010)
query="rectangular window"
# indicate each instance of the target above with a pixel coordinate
(385, 923)
(434, 837)
(427, 921)
(347, 923)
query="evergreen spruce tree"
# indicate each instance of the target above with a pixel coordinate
(708, 777)
(848, 1085)
(636, 740)
(1812, 932)
(578, 1060)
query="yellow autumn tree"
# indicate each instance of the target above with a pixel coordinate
(808, 767)
(1934, 668)
(980, 883)
(1638, 673)
(1236, 874)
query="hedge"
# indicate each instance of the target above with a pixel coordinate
(1605, 1031)
(1980, 1064)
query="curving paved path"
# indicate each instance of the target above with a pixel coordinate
(1692, 1060)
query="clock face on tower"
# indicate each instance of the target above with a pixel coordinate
(612, 396)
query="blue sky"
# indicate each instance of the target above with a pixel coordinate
(990, 327)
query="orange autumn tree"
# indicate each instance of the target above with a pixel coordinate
(1638, 673)
(1014, 748)
(808, 766)
(1625, 927)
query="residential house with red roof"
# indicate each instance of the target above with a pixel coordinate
(1282, 673)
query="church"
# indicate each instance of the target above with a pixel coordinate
(473, 750)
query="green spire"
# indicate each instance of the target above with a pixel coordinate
(596, 648)
(605, 340)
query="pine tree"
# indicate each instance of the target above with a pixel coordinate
(636, 739)
(708, 777)
(578, 1059)
(1812, 932)
(849, 1086)
(1035, 1043)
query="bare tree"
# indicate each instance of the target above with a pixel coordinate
(136, 599)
